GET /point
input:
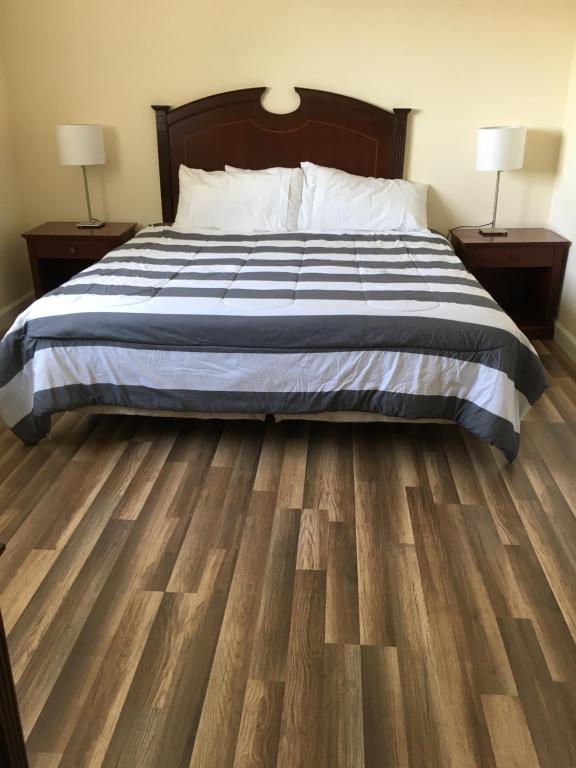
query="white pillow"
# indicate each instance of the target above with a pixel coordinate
(336, 201)
(294, 193)
(239, 203)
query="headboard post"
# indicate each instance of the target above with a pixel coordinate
(400, 140)
(161, 110)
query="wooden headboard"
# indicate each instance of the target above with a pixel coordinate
(234, 128)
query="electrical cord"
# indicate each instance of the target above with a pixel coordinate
(468, 226)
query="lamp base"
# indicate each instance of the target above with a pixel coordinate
(91, 224)
(489, 232)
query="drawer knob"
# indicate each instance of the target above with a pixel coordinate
(72, 249)
(514, 256)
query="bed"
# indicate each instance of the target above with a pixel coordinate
(291, 324)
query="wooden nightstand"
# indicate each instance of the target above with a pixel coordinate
(58, 250)
(522, 271)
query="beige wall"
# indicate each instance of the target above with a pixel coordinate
(563, 211)
(460, 63)
(14, 275)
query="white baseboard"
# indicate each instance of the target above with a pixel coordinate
(9, 313)
(565, 340)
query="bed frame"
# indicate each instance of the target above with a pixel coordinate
(234, 128)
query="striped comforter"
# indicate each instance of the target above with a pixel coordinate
(285, 324)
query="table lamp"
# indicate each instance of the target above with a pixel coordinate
(82, 145)
(500, 148)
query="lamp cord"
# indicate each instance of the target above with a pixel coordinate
(468, 226)
(488, 224)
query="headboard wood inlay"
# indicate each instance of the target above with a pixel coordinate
(234, 128)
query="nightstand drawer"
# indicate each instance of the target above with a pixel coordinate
(509, 256)
(72, 248)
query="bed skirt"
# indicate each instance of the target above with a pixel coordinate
(344, 417)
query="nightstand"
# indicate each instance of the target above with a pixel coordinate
(523, 271)
(58, 250)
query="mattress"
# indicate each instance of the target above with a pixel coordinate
(287, 324)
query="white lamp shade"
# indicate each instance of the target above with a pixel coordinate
(500, 148)
(80, 144)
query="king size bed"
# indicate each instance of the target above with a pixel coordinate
(289, 323)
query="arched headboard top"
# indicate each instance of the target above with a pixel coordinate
(234, 129)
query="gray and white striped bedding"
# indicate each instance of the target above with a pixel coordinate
(284, 324)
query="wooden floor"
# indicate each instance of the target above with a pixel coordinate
(236, 594)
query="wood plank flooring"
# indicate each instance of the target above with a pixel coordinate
(235, 595)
